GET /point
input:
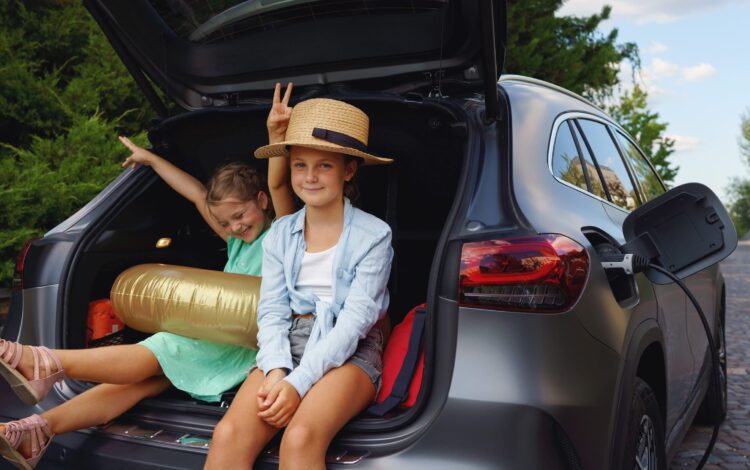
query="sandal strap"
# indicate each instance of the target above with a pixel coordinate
(13, 433)
(47, 354)
(43, 355)
(10, 352)
(35, 354)
(38, 429)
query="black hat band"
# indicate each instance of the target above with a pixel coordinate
(339, 138)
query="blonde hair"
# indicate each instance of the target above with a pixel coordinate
(237, 180)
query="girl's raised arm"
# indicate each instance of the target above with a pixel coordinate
(185, 185)
(278, 168)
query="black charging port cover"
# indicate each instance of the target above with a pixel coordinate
(684, 230)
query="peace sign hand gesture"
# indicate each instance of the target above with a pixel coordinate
(278, 117)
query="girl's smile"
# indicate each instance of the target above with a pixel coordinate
(244, 220)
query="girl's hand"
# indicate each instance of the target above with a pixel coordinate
(271, 379)
(285, 401)
(278, 117)
(139, 155)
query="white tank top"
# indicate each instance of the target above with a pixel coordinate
(316, 274)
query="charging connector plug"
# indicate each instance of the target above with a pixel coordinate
(629, 263)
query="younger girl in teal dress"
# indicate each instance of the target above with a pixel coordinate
(237, 206)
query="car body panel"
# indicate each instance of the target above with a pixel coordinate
(550, 358)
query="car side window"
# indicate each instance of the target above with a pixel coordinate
(644, 173)
(619, 185)
(566, 162)
(597, 185)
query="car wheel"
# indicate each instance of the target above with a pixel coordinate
(713, 410)
(644, 444)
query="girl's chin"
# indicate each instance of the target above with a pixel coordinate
(248, 236)
(318, 200)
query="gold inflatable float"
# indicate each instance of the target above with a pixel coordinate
(192, 302)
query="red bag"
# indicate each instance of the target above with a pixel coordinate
(398, 362)
(103, 325)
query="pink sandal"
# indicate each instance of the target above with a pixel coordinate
(39, 435)
(29, 391)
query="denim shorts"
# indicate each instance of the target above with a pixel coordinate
(368, 356)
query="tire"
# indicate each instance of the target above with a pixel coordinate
(644, 442)
(713, 409)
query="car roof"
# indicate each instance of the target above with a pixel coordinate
(517, 85)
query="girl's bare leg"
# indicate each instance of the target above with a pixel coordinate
(337, 398)
(96, 406)
(125, 364)
(241, 435)
(101, 404)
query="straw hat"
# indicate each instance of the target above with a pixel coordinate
(326, 124)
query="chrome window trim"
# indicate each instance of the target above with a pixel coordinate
(551, 147)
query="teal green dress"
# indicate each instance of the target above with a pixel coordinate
(205, 369)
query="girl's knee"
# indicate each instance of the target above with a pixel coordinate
(302, 438)
(226, 432)
(231, 430)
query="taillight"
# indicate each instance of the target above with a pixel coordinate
(20, 262)
(539, 273)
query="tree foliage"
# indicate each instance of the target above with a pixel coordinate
(744, 140)
(633, 115)
(64, 97)
(739, 205)
(739, 188)
(565, 50)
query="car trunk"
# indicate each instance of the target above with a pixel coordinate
(414, 196)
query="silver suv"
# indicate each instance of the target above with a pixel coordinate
(503, 199)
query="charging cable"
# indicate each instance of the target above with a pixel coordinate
(634, 263)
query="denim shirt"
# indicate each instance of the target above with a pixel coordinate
(361, 267)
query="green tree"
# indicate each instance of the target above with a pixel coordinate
(744, 139)
(739, 188)
(64, 97)
(739, 204)
(565, 50)
(633, 115)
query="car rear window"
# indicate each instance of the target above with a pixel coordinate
(213, 20)
(644, 173)
(612, 167)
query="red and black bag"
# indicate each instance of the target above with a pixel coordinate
(403, 364)
(103, 326)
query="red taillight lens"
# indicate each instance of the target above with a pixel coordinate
(541, 273)
(20, 262)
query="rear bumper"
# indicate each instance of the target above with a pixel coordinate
(92, 450)
(478, 435)
(481, 437)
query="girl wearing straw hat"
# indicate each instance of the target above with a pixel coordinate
(325, 270)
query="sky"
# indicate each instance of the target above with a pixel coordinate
(695, 57)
